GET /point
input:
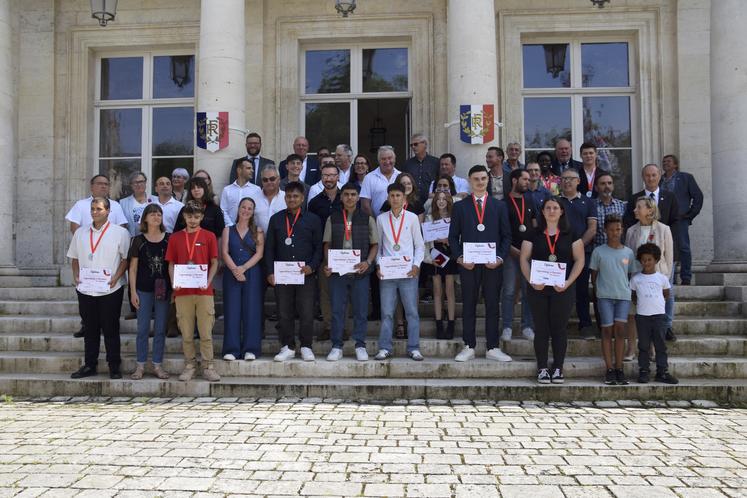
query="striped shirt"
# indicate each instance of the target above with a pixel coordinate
(615, 207)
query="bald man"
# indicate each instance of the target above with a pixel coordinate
(310, 164)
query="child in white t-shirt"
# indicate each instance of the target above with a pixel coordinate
(650, 290)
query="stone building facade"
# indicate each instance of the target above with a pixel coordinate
(642, 77)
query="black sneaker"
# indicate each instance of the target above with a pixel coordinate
(543, 377)
(620, 377)
(557, 376)
(610, 379)
(644, 377)
(669, 335)
(666, 378)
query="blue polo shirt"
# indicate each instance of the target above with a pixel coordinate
(578, 210)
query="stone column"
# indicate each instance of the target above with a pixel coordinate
(472, 70)
(8, 158)
(221, 69)
(728, 144)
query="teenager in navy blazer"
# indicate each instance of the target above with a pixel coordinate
(464, 228)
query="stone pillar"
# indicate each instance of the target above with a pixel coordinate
(221, 69)
(728, 144)
(472, 71)
(8, 157)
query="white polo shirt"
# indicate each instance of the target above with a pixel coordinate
(171, 209)
(133, 211)
(374, 188)
(267, 207)
(231, 197)
(111, 250)
(80, 213)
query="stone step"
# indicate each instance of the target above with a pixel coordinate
(28, 281)
(398, 367)
(722, 391)
(683, 325)
(721, 278)
(685, 346)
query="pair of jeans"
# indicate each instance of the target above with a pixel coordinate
(160, 308)
(651, 329)
(669, 303)
(340, 286)
(683, 246)
(101, 315)
(294, 299)
(408, 294)
(511, 270)
(551, 310)
(490, 281)
(582, 295)
(242, 311)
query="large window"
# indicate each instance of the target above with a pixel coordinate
(357, 95)
(581, 90)
(144, 112)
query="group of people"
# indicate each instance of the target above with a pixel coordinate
(331, 230)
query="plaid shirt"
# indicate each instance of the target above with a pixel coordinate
(616, 207)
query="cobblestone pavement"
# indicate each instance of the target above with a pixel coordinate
(228, 447)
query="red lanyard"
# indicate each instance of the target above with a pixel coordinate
(552, 245)
(399, 232)
(480, 215)
(98, 241)
(288, 227)
(348, 228)
(521, 213)
(590, 179)
(191, 248)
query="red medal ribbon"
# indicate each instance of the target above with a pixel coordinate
(90, 238)
(288, 226)
(348, 229)
(555, 242)
(191, 248)
(519, 214)
(480, 215)
(590, 179)
(401, 224)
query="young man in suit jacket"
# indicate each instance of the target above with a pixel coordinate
(480, 218)
(253, 148)
(310, 173)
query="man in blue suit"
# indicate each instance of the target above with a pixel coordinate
(480, 218)
(310, 168)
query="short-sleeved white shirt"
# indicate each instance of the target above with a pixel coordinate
(110, 252)
(80, 213)
(460, 184)
(133, 211)
(374, 188)
(231, 197)
(171, 210)
(649, 293)
(265, 208)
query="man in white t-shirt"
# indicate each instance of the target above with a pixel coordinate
(80, 214)
(134, 205)
(447, 166)
(375, 184)
(169, 205)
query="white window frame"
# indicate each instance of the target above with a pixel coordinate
(147, 104)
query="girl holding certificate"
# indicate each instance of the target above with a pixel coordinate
(242, 246)
(443, 276)
(551, 305)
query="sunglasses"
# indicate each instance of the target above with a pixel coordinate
(269, 179)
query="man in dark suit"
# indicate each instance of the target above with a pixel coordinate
(480, 219)
(310, 170)
(253, 148)
(563, 159)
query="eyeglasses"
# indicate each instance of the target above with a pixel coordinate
(139, 182)
(333, 175)
(415, 144)
(569, 178)
(269, 179)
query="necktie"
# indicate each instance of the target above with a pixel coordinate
(652, 196)
(479, 204)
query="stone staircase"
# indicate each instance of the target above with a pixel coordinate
(38, 352)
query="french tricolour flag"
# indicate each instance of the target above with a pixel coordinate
(212, 130)
(477, 123)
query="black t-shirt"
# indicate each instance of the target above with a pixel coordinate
(517, 237)
(212, 220)
(563, 248)
(414, 207)
(151, 262)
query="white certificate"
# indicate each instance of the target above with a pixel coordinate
(289, 273)
(343, 261)
(436, 230)
(94, 280)
(395, 267)
(190, 276)
(479, 252)
(547, 273)
(439, 259)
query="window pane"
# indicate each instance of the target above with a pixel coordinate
(327, 71)
(119, 171)
(545, 121)
(607, 121)
(173, 131)
(122, 78)
(619, 163)
(173, 76)
(604, 64)
(120, 132)
(164, 166)
(385, 70)
(547, 66)
(327, 124)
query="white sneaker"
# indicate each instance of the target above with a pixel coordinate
(383, 354)
(506, 335)
(334, 355)
(249, 356)
(308, 355)
(497, 354)
(465, 354)
(285, 354)
(415, 355)
(229, 357)
(361, 354)
(528, 333)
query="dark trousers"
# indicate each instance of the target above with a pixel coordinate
(551, 312)
(292, 299)
(651, 329)
(101, 314)
(491, 282)
(375, 295)
(683, 246)
(582, 296)
(344, 288)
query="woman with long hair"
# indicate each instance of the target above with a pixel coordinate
(361, 167)
(443, 277)
(242, 248)
(200, 191)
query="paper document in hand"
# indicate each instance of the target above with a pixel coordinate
(436, 230)
(343, 261)
(289, 273)
(395, 267)
(439, 259)
(479, 252)
(547, 273)
(190, 276)
(94, 280)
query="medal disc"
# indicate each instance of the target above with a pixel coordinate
(480, 227)
(90, 257)
(522, 228)
(588, 194)
(190, 262)
(396, 247)
(288, 241)
(552, 258)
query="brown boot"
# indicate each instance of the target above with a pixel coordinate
(209, 373)
(159, 372)
(189, 371)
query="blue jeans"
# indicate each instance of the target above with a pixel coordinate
(669, 303)
(683, 245)
(510, 271)
(339, 288)
(148, 303)
(408, 294)
(612, 310)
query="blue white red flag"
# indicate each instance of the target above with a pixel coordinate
(477, 123)
(212, 130)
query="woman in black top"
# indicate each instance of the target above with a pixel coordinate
(551, 306)
(199, 190)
